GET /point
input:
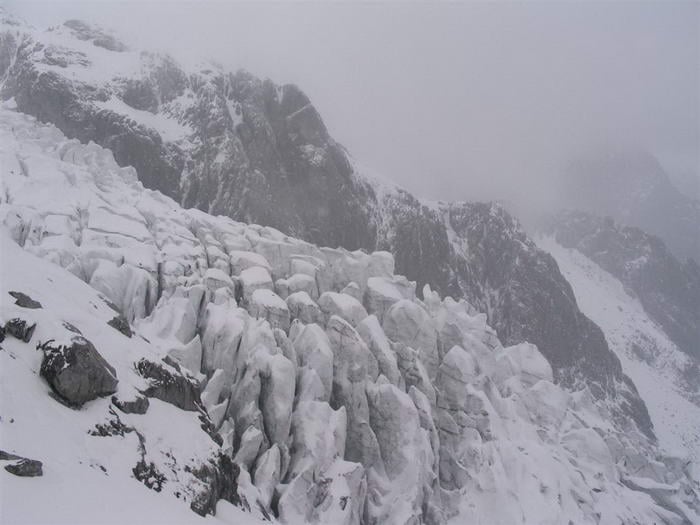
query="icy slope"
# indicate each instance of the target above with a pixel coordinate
(662, 372)
(338, 395)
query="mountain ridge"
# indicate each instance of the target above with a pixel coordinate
(232, 144)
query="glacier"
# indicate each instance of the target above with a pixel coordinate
(261, 377)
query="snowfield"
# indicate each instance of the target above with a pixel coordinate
(648, 356)
(248, 391)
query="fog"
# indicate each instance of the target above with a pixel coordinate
(452, 101)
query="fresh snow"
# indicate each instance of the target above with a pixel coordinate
(648, 356)
(167, 127)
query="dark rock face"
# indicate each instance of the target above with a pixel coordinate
(220, 479)
(668, 289)
(139, 405)
(99, 38)
(20, 329)
(656, 205)
(170, 385)
(23, 467)
(25, 301)
(525, 295)
(527, 299)
(258, 152)
(149, 475)
(77, 373)
(120, 324)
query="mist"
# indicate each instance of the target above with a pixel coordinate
(452, 101)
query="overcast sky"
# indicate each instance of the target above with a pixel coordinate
(458, 100)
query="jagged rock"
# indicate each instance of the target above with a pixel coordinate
(220, 480)
(24, 301)
(168, 384)
(342, 305)
(137, 405)
(22, 467)
(77, 373)
(120, 324)
(302, 307)
(20, 329)
(267, 305)
(149, 475)
(408, 323)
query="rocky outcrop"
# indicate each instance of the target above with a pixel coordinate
(20, 329)
(169, 384)
(76, 372)
(22, 467)
(668, 289)
(24, 301)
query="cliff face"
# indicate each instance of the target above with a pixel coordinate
(668, 289)
(231, 144)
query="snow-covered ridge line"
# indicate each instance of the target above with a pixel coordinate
(340, 396)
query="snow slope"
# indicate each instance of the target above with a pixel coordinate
(648, 356)
(422, 417)
(87, 479)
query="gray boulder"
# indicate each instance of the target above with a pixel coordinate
(77, 373)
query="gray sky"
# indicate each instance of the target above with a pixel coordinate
(458, 100)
